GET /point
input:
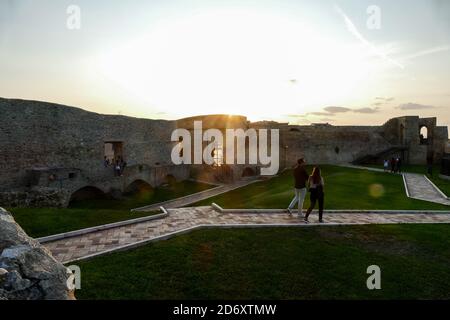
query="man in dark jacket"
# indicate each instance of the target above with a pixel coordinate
(300, 177)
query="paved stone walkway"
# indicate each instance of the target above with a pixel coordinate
(196, 197)
(185, 219)
(353, 166)
(421, 188)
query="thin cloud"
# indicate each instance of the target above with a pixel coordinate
(354, 31)
(389, 99)
(321, 114)
(295, 115)
(427, 52)
(382, 101)
(366, 110)
(334, 109)
(414, 106)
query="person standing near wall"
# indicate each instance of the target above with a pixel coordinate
(430, 164)
(300, 178)
(106, 162)
(399, 165)
(117, 168)
(123, 164)
(392, 165)
(386, 165)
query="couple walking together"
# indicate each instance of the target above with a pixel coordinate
(302, 181)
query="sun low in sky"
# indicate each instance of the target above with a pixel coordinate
(342, 62)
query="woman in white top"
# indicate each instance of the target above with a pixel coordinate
(386, 165)
(316, 184)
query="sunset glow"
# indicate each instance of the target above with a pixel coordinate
(291, 62)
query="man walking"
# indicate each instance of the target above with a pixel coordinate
(301, 177)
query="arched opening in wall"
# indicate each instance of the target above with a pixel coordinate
(294, 130)
(86, 194)
(248, 172)
(217, 155)
(137, 194)
(170, 180)
(138, 187)
(423, 134)
(224, 174)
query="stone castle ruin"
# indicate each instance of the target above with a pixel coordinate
(52, 154)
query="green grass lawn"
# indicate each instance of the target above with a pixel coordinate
(39, 222)
(278, 263)
(442, 184)
(345, 188)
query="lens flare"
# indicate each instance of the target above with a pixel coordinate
(376, 190)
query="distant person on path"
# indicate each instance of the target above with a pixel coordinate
(316, 185)
(430, 165)
(300, 177)
(399, 165)
(386, 165)
(392, 165)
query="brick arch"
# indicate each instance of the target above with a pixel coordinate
(86, 193)
(248, 172)
(138, 185)
(169, 179)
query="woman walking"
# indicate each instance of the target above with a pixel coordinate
(316, 184)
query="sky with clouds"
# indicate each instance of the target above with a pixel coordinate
(342, 62)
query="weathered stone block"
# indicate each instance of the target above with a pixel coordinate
(27, 269)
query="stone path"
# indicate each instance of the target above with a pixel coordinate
(352, 166)
(419, 187)
(186, 219)
(196, 197)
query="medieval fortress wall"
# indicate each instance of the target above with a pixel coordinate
(330, 144)
(49, 151)
(43, 135)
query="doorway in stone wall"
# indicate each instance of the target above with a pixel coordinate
(113, 151)
(423, 135)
